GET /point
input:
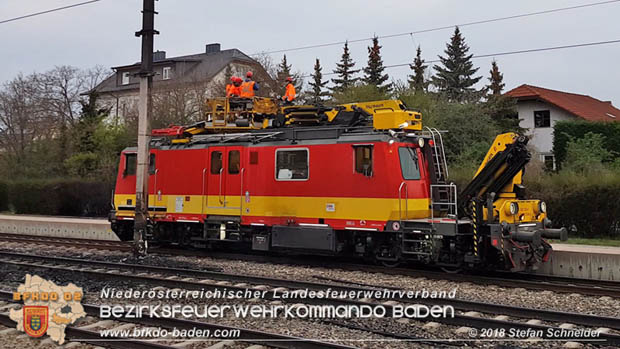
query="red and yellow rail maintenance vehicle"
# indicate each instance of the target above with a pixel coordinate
(362, 179)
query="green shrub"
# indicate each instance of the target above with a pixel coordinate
(64, 197)
(565, 131)
(588, 201)
(4, 196)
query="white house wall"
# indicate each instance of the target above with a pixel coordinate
(541, 138)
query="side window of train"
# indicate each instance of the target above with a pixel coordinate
(216, 162)
(409, 163)
(363, 159)
(234, 161)
(152, 166)
(292, 164)
(131, 161)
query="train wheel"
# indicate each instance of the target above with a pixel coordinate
(391, 264)
(452, 270)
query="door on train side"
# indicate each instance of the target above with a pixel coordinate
(224, 177)
(233, 184)
(216, 180)
(157, 203)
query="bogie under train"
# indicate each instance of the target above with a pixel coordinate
(360, 179)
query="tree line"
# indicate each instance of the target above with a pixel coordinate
(454, 79)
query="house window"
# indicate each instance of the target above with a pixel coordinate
(363, 159)
(549, 161)
(409, 163)
(542, 118)
(166, 73)
(131, 161)
(125, 79)
(216, 162)
(234, 161)
(292, 164)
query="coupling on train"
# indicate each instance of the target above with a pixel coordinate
(364, 179)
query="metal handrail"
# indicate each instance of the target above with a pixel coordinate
(219, 195)
(453, 193)
(155, 185)
(241, 194)
(203, 198)
(436, 154)
(400, 211)
(443, 153)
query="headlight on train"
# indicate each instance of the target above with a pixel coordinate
(542, 207)
(421, 142)
(513, 208)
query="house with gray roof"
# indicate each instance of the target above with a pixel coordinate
(203, 73)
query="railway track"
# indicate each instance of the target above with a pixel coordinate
(242, 335)
(209, 280)
(70, 242)
(512, 280)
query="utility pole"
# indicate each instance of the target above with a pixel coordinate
(144, 114)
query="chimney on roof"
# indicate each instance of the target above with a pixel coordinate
(159, 56)
(212, 48)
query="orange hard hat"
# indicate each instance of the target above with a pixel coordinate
(249, 74)
(289, 79)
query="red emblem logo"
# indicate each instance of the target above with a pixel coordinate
(35, 320)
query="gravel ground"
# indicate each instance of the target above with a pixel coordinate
(308, 329)
(604, 306)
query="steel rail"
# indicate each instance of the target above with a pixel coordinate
(92, 337)
(459, 320)
(245, 335)
(527, 281)
(461, 304)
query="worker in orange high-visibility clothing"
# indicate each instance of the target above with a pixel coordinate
(249, 86)
(234, 89)
(230, 86)
(289, 95)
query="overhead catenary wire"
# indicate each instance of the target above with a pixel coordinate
(49, 11)
(506, 53)
(420, 31)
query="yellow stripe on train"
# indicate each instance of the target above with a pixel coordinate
(380, 209)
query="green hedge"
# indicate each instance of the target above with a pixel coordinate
(72, 197)
(4, 196)
(564, 130)
(587, 201)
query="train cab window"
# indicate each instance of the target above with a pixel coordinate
(131, 161)
(292, 165)
(216, 162)
(152, 166)
(363, 159)
(409, 163)
(234, 161)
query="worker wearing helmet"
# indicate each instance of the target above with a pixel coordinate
(249, 86)
(289, 95)
(231, 88)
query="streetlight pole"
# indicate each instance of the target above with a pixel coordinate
(144, 114)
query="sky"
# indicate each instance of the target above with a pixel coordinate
(102, 33)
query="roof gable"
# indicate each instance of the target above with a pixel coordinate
(582, 106)
(202, 67)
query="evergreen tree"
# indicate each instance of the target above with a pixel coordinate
(344, 70)
(496, 80)
(373, 73)
(317, 84)
(284, 70)
(455, 76)
(416, 81)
